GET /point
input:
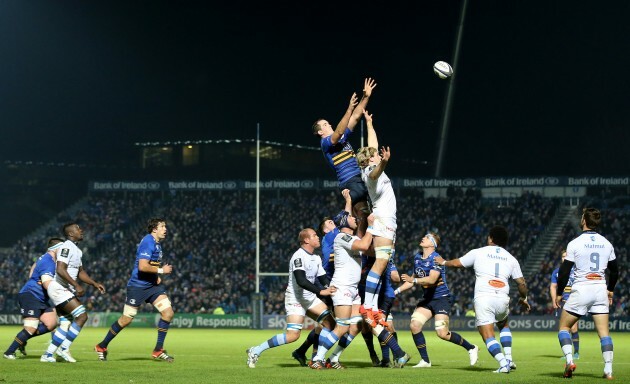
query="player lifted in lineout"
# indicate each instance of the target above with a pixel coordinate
(384, 208)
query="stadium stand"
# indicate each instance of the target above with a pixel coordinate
(211, 243)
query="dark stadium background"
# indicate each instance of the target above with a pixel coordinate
(541, 88)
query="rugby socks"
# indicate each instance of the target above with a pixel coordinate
(162, 329)
(41, 329)
(506, 342)
(307, 343)
(57, 338)
(113, 331)
(315, 345)
(575, 338)
(607, 352)
(371, 290)
(456, 338)
(20, 339)
(277, 340)
(567, 345)
(388, 339)
(72, 334)
(495, 350)
(421, 345)
(327, 339)
(341, 346)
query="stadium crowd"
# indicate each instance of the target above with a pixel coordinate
(211, 243)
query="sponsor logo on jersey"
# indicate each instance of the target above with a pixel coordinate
(593, 276)
(297, 263)
(346, 238)
(65, 252)
(496, 283)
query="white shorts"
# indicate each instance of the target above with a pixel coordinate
(491, 309)
(295, 306)
(58, 293)
(384, 227)
(346, 295)
(587, 298)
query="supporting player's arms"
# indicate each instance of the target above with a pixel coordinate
(62, 271)
(324, 280)
(302, 281)
(613, 275)
(564, 274)
(84, 277)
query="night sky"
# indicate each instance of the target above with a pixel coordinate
(541, 87)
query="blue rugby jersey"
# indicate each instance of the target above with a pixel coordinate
(567, 289)
(341, 157)
(45, 266)
(328, 252)
(423, 267)
(151, 250)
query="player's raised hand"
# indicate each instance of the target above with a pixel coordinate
(368, 116)
(346, 195)
(353, 102)
(368, 86)
(167, 268)
(371, 219)
(385, 153)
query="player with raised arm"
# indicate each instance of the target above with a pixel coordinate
(37, 314)
(436, 301)
(340, 155)
(145, 286)
(591, 255)
(384, 208)
(553, 293)
(64, 291)
(494, 266)
(300, 298)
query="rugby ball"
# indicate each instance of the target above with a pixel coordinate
(443, 69)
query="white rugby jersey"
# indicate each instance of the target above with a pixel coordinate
(347, 267)
(494, 266)
(381, 193)
(311, 264)
(71, 255)
(591, 253)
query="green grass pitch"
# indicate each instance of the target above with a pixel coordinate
(218, 356)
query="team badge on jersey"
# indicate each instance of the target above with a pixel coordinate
(297, 263)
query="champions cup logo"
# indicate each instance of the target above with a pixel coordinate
(153, 185)
(229, 185)
(306, 184)
(552, 181)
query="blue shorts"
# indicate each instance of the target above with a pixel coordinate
(358, 190)
(138, 295)
(31, 306)
(437, 305)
